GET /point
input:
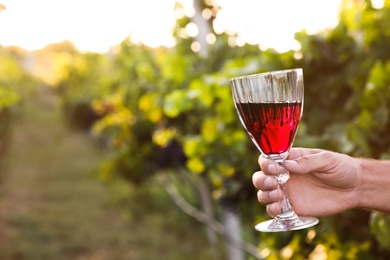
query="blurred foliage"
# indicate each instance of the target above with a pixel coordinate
(16, 84)
(160, 108)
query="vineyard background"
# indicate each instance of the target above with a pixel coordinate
(164, 136)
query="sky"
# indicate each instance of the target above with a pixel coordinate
(96, 25)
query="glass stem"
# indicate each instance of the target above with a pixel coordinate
(287, 210)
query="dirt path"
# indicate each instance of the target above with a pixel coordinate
(51, 208)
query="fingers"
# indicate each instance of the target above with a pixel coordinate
(273, 209)
(267, 197)
(269, 192)
(263, 182)
(300, 160)
(299, 152)
(296, 155)
(269, 167)
(317, 161)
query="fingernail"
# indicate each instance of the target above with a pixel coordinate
(272, 208)
(269, 182)
(274, 195)
(272, 169)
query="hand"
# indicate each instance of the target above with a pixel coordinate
(321, 183)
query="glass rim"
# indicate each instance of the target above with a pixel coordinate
(265, 73)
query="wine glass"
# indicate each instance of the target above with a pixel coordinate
(270, 107)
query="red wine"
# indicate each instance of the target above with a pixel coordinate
(271, 126)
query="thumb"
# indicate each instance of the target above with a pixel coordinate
(319, 162)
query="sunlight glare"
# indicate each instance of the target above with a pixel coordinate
(93, 25)
(273, 23)
(96, 25)
(210, 38)
(192, 30)
(377, 4)
(195, 46)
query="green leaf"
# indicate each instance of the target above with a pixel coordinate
(380, 227)
(209, 129)
(195, 165)
(192, 146)
(175, 103)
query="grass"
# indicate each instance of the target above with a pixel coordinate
(52, 207)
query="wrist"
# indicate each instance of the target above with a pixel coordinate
(372, 192)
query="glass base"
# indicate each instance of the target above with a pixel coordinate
(281, 225)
